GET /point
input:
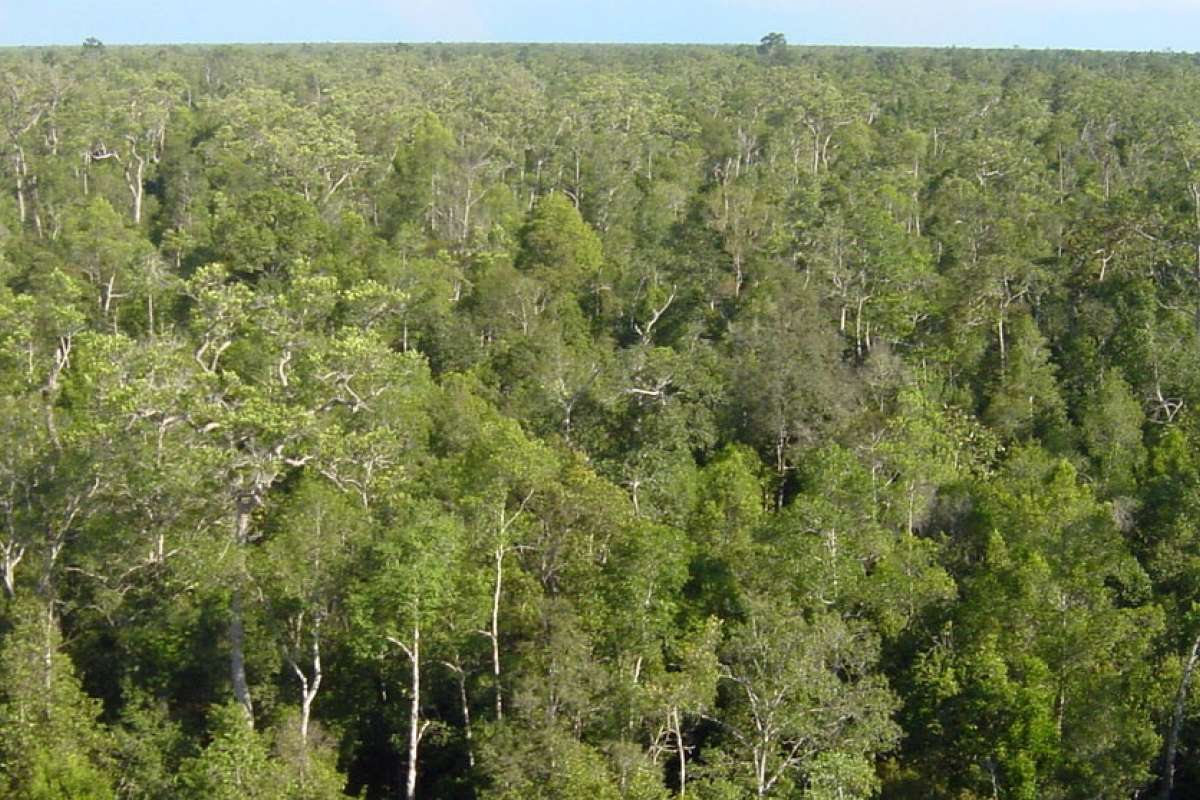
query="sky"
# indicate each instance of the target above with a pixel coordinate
(1089, 24)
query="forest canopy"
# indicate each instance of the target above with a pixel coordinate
(606, 422)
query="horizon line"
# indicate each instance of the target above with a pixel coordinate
(576, 43)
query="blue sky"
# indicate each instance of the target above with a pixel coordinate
(1102, 24)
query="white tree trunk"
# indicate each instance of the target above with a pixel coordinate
(494, 632)
(1189, 668)
(677, 731)
(237, 631)
(464, 702)
(414, 715)
(308, 688)
(136, 187)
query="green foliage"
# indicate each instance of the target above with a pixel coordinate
(1112, 433)
(420, 161)
(805, 700)
(1026, 400)
(265, 232)
(1045, 640)
(51, 743)
(595, 422)
(558, 248)
(236, 763)
(148, 747)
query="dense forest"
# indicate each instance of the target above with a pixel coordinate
(598, 423)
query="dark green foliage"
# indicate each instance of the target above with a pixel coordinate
(51, 745)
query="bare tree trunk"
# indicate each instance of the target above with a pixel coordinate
(858, 327)
(760, 770)
(136, 187)
(12, 554)
(494, 633)
(308, 689)
(237, 631)
(414, 715)
(48, 647)
(1000, 334)
(310, 693)
(677, 731)
(466, 218)
(22, 171)
(1189, 668)
(461, 674)
(237, 655)
(35, 202)
(21, 199)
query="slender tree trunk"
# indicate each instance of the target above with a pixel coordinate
(494, 632)
(858, 327)
(35, 209)
(237, 631)
(237, 655)
(306, 701)
(308, 690)
(466, 713)
(677, 731)
(136, 187)
(1195, 188)
(414, 715)
(466, 219)
(1000, 334)
(1189, 668)
(22, 170)
(760, 770)
(48, 642)
(21, 199)
(12, 554)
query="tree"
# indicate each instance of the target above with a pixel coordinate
(1052, 573)
(772, 44)
(804, 701)
(559, 250)
(51, 745)
(399, 609)
(305, 568)
(235, 764)
(685, 691)
(1168, 548)
(110, 257)
(420, 167)
(1025, 400)
(789, 385)
(496, 475)
(1112, 432)
(134, 133)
